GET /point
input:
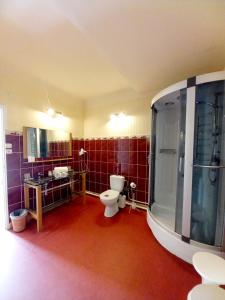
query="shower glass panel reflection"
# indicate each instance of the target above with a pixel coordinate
(168, 158)
(208, 188)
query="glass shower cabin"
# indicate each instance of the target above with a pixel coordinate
(167, 158)
(187, 178)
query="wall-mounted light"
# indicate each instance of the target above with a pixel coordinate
(53, 114)
(118, 117)
(119, 121)
(51, 111)
(58, 114)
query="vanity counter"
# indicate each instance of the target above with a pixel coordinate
(47, 179)
(40, 186)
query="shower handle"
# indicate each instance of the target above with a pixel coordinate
(181, 161)
(209, 167)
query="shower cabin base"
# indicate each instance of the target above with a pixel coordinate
(164, 215)
(173, 243)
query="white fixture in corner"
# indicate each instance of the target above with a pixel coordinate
(110, 197)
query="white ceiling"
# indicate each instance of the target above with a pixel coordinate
(39, 39)
(91, 48)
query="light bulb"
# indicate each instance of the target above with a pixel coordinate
(113, 117)
(121, 115)
(51, 112)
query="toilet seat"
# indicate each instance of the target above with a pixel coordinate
(110, 199)
(109, 195)
(206, 292)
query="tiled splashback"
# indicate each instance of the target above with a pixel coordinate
(124, 156)
(59, 149)
(17, 166)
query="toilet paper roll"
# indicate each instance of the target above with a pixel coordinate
(133, 185)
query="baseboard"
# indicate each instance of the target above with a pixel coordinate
(92, 194)
(138, 205)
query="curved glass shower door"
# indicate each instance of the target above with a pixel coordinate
(208, 187)
(167, 159)
(187, 179)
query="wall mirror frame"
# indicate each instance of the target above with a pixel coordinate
(45, 144)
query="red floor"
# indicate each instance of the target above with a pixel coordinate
(82, 255)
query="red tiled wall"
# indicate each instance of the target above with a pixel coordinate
(58, 149)
(17, 166)
(122, 156)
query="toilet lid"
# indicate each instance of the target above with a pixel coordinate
(109, 194)
(206, 292)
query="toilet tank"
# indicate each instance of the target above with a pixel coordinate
(117, 182)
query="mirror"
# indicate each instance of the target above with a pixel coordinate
(44, 143)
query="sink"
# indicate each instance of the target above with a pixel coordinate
(43, 180)
(39, 181)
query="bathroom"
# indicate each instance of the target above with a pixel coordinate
(117, 79)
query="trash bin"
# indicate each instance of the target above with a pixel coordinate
(18, 218)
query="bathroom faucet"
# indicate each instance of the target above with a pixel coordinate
(40, 175)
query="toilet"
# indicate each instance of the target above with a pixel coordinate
(110, 197)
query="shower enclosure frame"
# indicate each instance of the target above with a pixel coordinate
(181, 244)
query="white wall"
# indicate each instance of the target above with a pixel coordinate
(98, 110)
(25, 98)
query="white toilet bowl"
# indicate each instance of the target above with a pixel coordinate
(110, 197)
